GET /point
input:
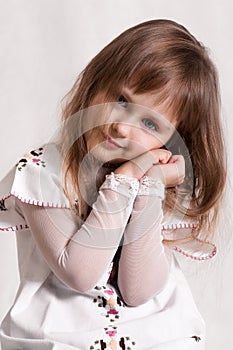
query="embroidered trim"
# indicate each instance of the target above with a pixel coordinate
(114, 181)
(36, 202)
(192, 226)
(211, 255)
(109, 302)
(14, 228)
(110, 306)
(150, 186)
(33, 202)
(2, 205)
(32, 157)
(113, 340)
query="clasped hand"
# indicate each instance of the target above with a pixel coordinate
(158, 164)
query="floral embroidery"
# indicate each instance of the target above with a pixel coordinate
(33, 157)
(2, 205)
(196, 338)
(111, 304)
(113, 341)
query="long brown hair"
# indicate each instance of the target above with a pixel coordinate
(161, 57)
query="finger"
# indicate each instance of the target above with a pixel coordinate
(171, 160)
(178, 158)
(164, 159)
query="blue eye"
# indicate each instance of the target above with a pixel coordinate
(150, 124)
(122, 101)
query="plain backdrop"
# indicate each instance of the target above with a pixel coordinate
(44, 44)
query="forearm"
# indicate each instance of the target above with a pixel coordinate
(144, 264)
(80, 257)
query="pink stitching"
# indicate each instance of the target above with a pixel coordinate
(14, 228)
(164, 227)
(35, 159)
(39, 203)
(193, 226)
(30, 201)
(6, 197)
(214, 252)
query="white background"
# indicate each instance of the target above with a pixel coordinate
(44, 44)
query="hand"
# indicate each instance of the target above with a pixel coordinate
(172, 173)
(140, 165)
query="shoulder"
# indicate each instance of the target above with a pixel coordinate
(47, 155)
(37, 178)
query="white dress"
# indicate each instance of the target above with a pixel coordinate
(48, 315)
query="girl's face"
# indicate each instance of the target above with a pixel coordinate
(135, 125)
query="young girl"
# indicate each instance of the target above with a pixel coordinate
(137, 173)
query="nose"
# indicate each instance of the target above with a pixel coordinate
(120, 130)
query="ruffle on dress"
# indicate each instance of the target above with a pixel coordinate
(183, 239)
(37, 179)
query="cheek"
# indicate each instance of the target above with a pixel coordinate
(161, 139)
(153, 142)
(145, 144)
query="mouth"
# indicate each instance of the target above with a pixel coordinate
(111, 143)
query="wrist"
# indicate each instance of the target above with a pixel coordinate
(121, 183)
(151, 186)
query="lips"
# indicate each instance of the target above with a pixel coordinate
(112, 143)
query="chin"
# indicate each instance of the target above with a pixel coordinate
(106, 158)
(117, 161)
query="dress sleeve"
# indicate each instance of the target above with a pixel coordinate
(145, 260)
(79, 256)
(183, 240)
(36, 179)
(144, 264)
(182, 235)
(79, 253)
